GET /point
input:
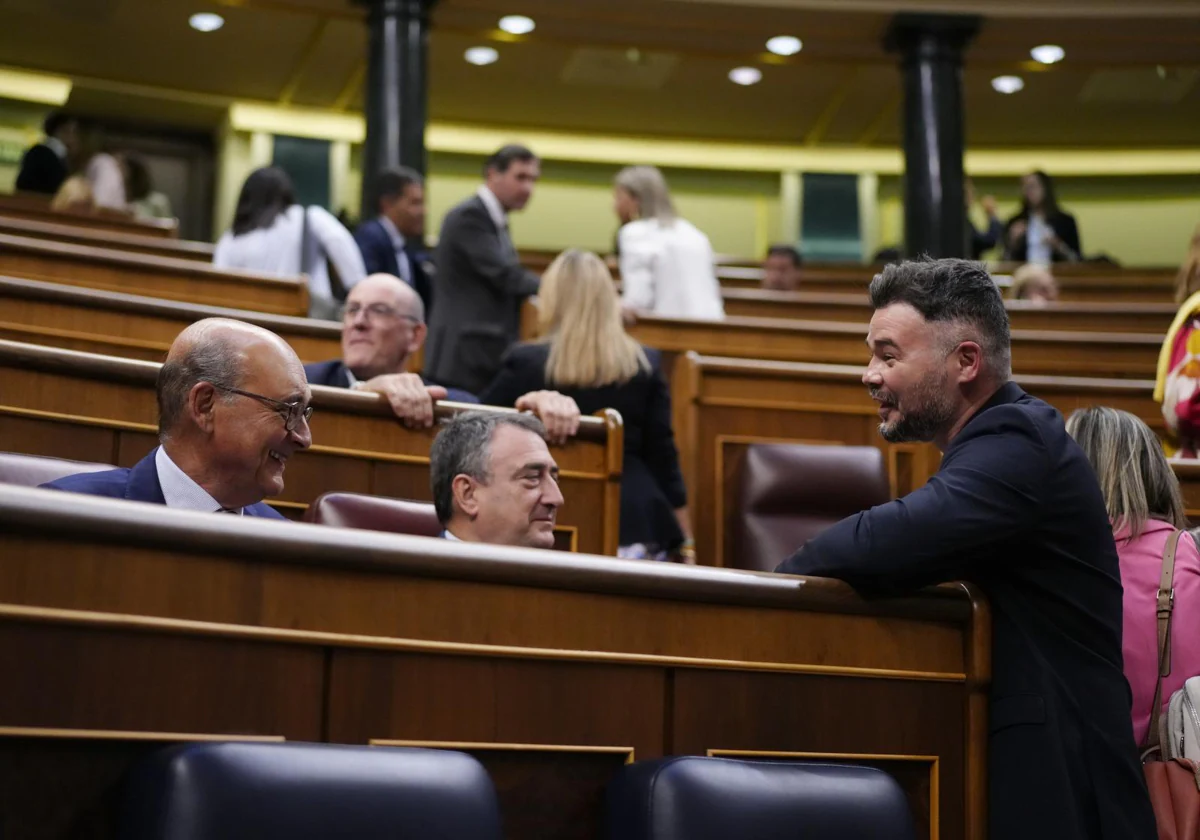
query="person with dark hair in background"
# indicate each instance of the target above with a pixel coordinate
(480, 283)
(46, 165)
(271, 233)
(393, 242)
(144, 201)
(1041, 232)
(1014, 508)
(982, 240)
(781, 268)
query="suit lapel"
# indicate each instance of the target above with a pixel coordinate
(143, 483)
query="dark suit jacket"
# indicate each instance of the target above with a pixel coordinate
(984, 240)
(42, 171)
(479, 289)
(138, 484)
(651, 484)
(1016, 509)
(379, 256)
(1063, 224)
(336, 375)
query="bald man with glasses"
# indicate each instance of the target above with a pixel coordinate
(233, 407)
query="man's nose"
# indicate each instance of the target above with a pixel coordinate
(302, 434)
(552, 497)
(871, 375)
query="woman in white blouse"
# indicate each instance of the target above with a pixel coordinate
(666, 262)
(269, 233)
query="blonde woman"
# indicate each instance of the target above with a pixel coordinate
(1034, 282)
(587, 355)
(1145, 507)
(666, 262)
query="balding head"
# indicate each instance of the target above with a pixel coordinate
(382, 327)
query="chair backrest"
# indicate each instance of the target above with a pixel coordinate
(695, 798)
(790, 492)
(374, 513)
(32, 470)
(250, 791)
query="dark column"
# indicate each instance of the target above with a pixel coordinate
(931, 48)
(396, 88)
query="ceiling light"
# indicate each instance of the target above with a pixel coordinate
(517, 24)
(206, 21)
(481, 55)
(1048, 53)
(745, 75)
(1008, 84)
(784, 45)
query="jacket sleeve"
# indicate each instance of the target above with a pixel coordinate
(518, 376)
(338, 246)
(475, 238)
(658, 442)
(1070, 234)
(639, 261)
(988, 490)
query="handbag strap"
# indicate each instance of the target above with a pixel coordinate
(1165, 606)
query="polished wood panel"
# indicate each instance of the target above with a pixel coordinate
(1188, 473)
(162, 277)
(134, 326)
(37, 207)
(88, 407)
(135, 242)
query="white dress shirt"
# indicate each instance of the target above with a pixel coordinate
(276, 250)
(1037, 250)
(57, 146)
(398, 241)
(499, 217)
(667, 269)
(179, 490)
(107, 181)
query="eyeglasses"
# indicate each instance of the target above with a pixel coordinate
(375, 312)
(290, 412)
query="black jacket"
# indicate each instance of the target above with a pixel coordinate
(379, 257)
(42, 170)
(1064, 226)
(1016, 509)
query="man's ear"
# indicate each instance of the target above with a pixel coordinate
(418, 338)
(466, 497)
(201, 406)
(969, 358)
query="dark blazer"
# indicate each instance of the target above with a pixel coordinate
(1063, 224)
(336, 375)
(479, 289)
(379, 256)
(651, 484)
(1016, 509)
(42, 170)
(984, 240)
(137, 484)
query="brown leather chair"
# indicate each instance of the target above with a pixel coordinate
(374, 513)
(789, 493)
(32, 470)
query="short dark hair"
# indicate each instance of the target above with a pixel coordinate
(503, 158)
(786, 251)
(1049, 198)
(138, 183)
(55, 120)
(266, 193)
(208, 361)
(391, 183)
(951, 291)
(464, 447)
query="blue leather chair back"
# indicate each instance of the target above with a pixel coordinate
(693, 798)
(249, 791)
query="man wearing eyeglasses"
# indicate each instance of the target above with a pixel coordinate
(232, 409)
(383, 327)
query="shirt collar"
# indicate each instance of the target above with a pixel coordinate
(55, 145)
(350, 375)
(393, 233)
(447, 535)
(178, 488)
(494, 208)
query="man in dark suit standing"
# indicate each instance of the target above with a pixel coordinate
(480, 281)
(1016, 509)
(232, 409)
(393, 242)
(44, 167)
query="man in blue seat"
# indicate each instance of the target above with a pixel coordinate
(383, 327)
(1016, 509)
(232, 409)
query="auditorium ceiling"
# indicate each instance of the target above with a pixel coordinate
(643, 67)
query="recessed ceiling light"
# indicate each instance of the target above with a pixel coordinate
(481, 55)
(745, 75)
(517, 24)
(206, 21)
(784, 45)
(1048, 53)
(1008, 84)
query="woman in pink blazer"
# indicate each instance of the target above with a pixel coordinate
(1145, 507)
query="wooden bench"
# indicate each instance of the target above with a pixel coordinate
(162, 277)
(132, 326)
(722, 405)
(33, 206)
(88, 407)
(138, 243)
(1083, 316)
(124, 627)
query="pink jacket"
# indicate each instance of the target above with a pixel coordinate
(1141, 567)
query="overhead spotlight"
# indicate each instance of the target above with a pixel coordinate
(1007, 84)
(206, 22)
(1048, 53)
(480, 56)
(745, 75)
(785, 45)
(517, 24)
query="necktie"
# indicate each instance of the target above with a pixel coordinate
(405, 265)
(506, 241)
